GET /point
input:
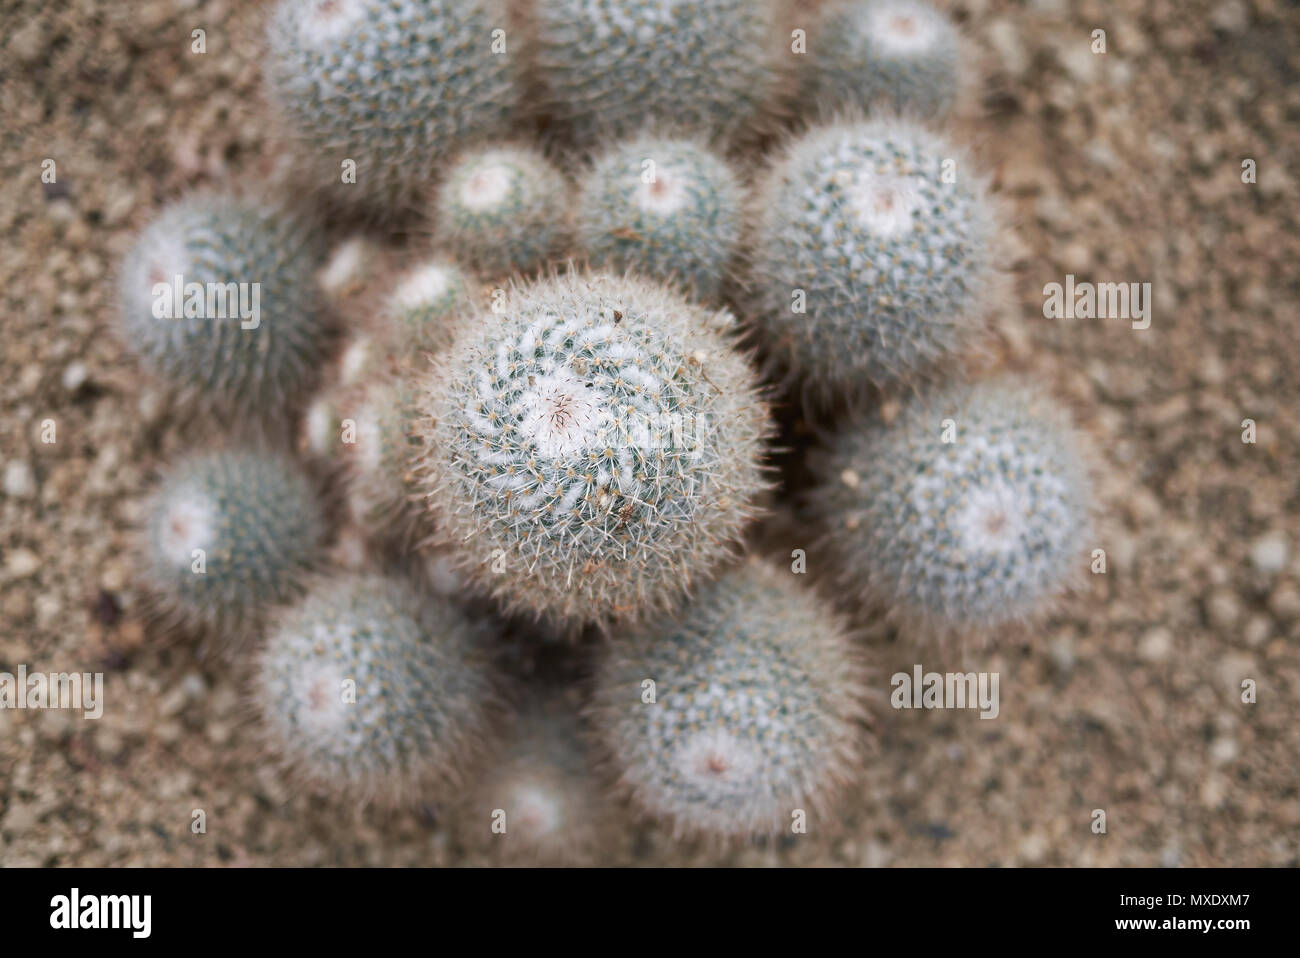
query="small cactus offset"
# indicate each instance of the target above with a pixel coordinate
(667, 208)
(376, 438)
(872, 259)
(593, 448)
(739, 716)
(612, 68)
(229, 535)
(220, 301)
(369, 690)
(503, 209)
(902, 55)
(538, 801)
(380, 92)
(419, 315)
(966, 512)
(363, 359)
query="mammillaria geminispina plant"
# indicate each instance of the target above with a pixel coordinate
(547, 436)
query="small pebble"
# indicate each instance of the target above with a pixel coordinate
(1285, 603)
(19, 480)
(1223, 751)
(1258, 629)
(1223, 609)
(1268, 553)
(75, 375)
(1156, 645)
(22, 563)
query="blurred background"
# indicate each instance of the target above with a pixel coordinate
(1117, 167)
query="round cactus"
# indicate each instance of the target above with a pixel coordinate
(592, 448)
(666, 208)
(539, 803)
(229, 535)
(418, 317)
(901, 54)
(969, 510)
(220, 300)
(613, 67)
(503, 209)
(740, 712)
(368, 690)
(871, 263)
(392, 86)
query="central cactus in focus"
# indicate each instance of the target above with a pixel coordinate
(593, 447)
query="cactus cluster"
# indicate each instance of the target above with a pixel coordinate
(903, 55)
(968, 511)
(592, 447)
(392, 87)
(219, 300)
(517, 470)
(370, 689)
(872, 260)
(665, 208)
(503, 209)
(229, 535)
(738, 715)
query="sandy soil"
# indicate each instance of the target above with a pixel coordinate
(1117, 167)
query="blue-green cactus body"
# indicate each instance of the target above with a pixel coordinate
(872, 259)
(390, 86)
(737, 715)
(370, 690)
(504, 210)
(591, 447)
(230, 535)
(615, 67)
(665, 208)
(969, 510)
(903, 55)
(220, 301)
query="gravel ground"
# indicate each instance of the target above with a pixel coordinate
(1117, 167)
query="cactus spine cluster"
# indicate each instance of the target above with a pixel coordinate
(756, 696)
(903, 55)
(593, 447)
(872, 260)
(969, 510)
(667, 208)
(219, 300)
(392, 86)
(229, 535)
(614, 67)
(503, 209)
(369, 689)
